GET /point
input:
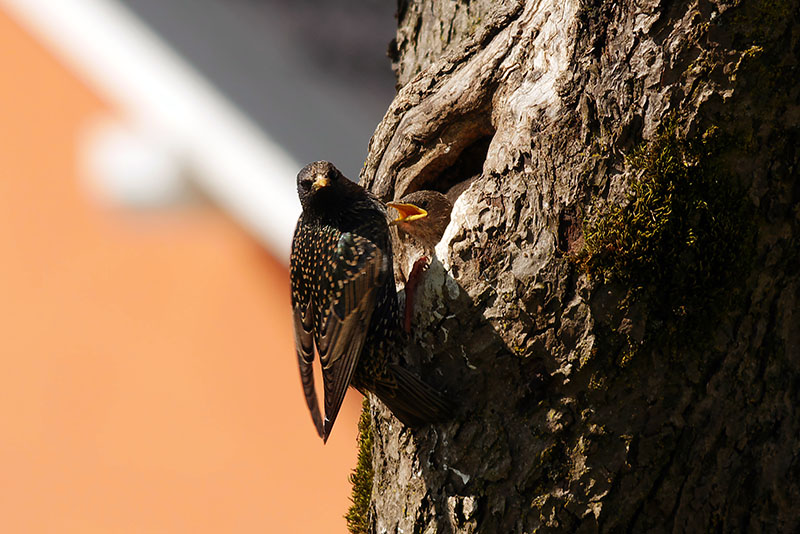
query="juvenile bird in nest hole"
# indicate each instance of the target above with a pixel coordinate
(422, 219)
(344, 302)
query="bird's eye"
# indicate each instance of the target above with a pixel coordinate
(305, 184)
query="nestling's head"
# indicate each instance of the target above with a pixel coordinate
(316, 181)
(424, 215)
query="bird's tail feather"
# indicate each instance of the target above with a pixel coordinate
(412, 401)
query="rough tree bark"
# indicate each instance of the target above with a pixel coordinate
(615, 305)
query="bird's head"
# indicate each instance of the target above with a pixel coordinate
(423, 214)
(317, 180)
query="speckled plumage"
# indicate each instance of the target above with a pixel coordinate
(345, 302)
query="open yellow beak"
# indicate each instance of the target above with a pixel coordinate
(320, 182)
(408, 212)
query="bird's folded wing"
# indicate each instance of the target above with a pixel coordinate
(359, 270)
(304, 341)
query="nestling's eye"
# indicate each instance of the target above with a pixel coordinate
(305, 184)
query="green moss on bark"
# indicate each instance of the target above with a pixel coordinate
(682, 237)
(756, 22)
(361, 478)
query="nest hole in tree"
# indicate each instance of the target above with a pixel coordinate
(454, 178)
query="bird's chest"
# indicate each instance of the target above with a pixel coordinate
(314, 268)
(405, 256)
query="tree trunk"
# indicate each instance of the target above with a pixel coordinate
(614, 307)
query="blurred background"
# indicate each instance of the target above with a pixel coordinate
(148, 152)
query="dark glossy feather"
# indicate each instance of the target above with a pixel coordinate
(339, 293)
(304, 342)
(359, 268)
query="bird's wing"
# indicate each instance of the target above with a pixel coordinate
(304, 341)
(302, 304)
(357, 271)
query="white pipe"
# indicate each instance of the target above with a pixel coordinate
(236, 163)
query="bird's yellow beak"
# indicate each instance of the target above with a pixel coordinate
(407, 212)
(320, 182)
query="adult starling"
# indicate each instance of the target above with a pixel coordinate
(345, 302)
(422, 220)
